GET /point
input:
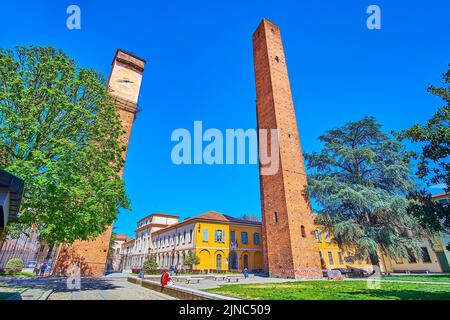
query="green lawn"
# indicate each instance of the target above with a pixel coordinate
(430, 278)
(335, 290)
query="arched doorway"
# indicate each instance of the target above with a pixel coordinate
(219, 262)
(245, 261)
(233, 261)
(257, 261)
(205, 260)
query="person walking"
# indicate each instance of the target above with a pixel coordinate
(36, 270)
(245, 272)
(43, 269)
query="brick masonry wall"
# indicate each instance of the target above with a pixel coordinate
(286, 252)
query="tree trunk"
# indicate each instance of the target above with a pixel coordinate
(49, 253)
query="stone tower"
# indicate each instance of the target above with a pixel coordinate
(290, 249)
(124, 85)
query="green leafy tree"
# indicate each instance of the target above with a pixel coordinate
(150, 263)
(60, 132)
(433, 159)
(191, 259)
(361, 180)
(14, 266)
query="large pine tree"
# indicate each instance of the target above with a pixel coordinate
(360, 180)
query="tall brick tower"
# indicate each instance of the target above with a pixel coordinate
(124, 85)
(290, 250)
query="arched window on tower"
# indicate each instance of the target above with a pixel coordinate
(275, 217)
(302, 229)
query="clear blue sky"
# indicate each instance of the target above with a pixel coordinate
(200, 67)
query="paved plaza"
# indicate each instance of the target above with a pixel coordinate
(208, 283)
(107, 288)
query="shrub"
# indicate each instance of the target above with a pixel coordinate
(150, 263)
(191, 259)
(14, 266)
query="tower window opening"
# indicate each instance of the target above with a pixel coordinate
(302, 229)
(275, 217)
(277, 59)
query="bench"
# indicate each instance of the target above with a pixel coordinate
(237, 278)
(190, 280)
(220, 277)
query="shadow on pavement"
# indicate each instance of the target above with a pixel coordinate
(58, 284)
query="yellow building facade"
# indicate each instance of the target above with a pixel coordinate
(333, 257)
(232, 245)
(220, 241)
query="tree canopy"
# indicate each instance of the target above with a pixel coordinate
(60, 132)
(433, 159)
(361, 180)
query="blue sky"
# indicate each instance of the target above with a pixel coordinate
(200, 67)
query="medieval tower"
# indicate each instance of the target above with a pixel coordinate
(124, 85)
(290, 250)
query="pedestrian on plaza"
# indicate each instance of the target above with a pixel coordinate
(164, 278)
(43, 268)
(171, 270)
(177, 269)
(36, 269)
(245, 272)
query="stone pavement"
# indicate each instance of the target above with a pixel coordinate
(107, 288)
(23, 289)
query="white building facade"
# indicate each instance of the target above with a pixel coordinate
(135, 252)
(172, 245)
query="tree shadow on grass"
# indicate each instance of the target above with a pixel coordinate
(6, 295)
(403, 294)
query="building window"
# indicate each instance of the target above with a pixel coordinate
(233, 236)
(205, 235)
(341, 260)
(190, 236)
(275, 217)
(244, 237)
(327, 237)
(220, 236)
(330, 257)
(318, 235)
(425, 255)
(302, 229)
(184, 237)
(256, 238)
(277, 59)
